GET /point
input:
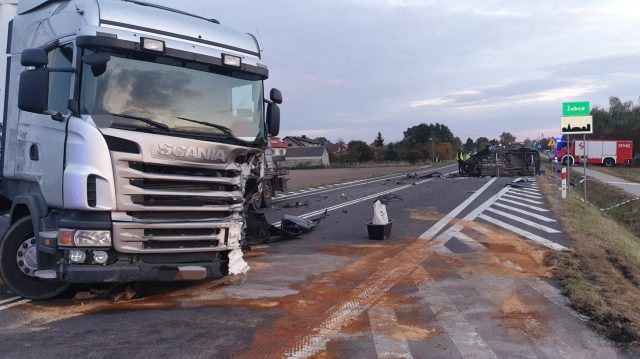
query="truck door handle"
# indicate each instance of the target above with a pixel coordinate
(33, 152)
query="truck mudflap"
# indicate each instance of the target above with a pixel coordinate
(146, 272)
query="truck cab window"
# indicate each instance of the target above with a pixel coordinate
(60, 82)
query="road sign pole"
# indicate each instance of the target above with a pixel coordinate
(564, 182)
(584, 157)
(568, 166)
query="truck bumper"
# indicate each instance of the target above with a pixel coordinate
(145, 272)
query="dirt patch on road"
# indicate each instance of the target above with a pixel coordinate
(518, 315)
(327, 305)
(425, 214)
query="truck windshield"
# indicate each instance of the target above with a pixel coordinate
(186, 97)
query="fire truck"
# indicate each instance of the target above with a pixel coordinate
(604, 152)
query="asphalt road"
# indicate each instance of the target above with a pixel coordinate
(461, 276)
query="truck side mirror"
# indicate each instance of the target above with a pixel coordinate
(34, 57)
(97, 61)
(276, 96)
(273, 119)
(33, 95)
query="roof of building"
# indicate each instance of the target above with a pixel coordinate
(305, 152)
(337, 147)
(302, 141)
(277, 143)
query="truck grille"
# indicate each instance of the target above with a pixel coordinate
(174, 209)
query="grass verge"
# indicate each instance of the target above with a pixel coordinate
(628, 173)
(601, 276)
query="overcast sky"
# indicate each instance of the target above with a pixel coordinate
(351, 68)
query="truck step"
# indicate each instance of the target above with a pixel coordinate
(46, 274)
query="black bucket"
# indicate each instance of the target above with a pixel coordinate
(378, 232)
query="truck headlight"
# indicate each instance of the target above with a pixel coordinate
(92, 238)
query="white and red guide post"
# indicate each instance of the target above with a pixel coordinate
(564, 182)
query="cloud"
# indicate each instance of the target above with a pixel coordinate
(335, 82)
(411, 61)
(430, 102)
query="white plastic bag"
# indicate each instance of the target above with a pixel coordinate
(380, 213)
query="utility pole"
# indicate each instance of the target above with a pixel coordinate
(433, 155)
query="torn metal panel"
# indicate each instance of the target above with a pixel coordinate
(259, 230)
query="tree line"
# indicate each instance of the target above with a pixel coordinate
(621, 121)
(423, 142)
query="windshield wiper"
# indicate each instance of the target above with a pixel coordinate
(224, 130)
(148, 121)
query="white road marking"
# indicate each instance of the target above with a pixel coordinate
(524, 205)
(364, 296)
(339, 186)
(355, 201)
(519, 193)
(431, 233)
(527, 190)
(523, 221)
(465, 337)
(522, 211)
(7, 306)
(481, 208)
(9, 300)
(470, 241)
(383, 321)
(534, 237)
(523, 199)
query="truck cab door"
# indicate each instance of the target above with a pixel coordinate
(41, 138)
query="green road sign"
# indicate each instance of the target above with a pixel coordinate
(575, 109)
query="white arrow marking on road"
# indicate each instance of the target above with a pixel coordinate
(433, 231)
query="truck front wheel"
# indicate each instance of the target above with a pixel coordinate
(267, 194)
(19, 261)
(609, 162)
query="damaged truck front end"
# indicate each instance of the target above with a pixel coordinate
(139, 135)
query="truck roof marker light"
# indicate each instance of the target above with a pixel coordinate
(152, 44)
(65, 238)
(231, 60)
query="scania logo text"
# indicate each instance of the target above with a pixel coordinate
(191, 152)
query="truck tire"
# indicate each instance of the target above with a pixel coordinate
(567, 161)
(267, 194)
(609, 162)
(18, 262)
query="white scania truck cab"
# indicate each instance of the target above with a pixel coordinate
(132, 142)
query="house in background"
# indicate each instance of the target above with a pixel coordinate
(301, 141)
(306, 156)
(278, 147)
(338, 148)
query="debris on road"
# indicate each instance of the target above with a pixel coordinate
(127, 293)
(520, 183)
(237, 265)
(298, 225)
(380, 214)
(297, 204)
(262, 231)
(386, 198)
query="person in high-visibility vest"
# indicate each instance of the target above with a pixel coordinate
(460, 162)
